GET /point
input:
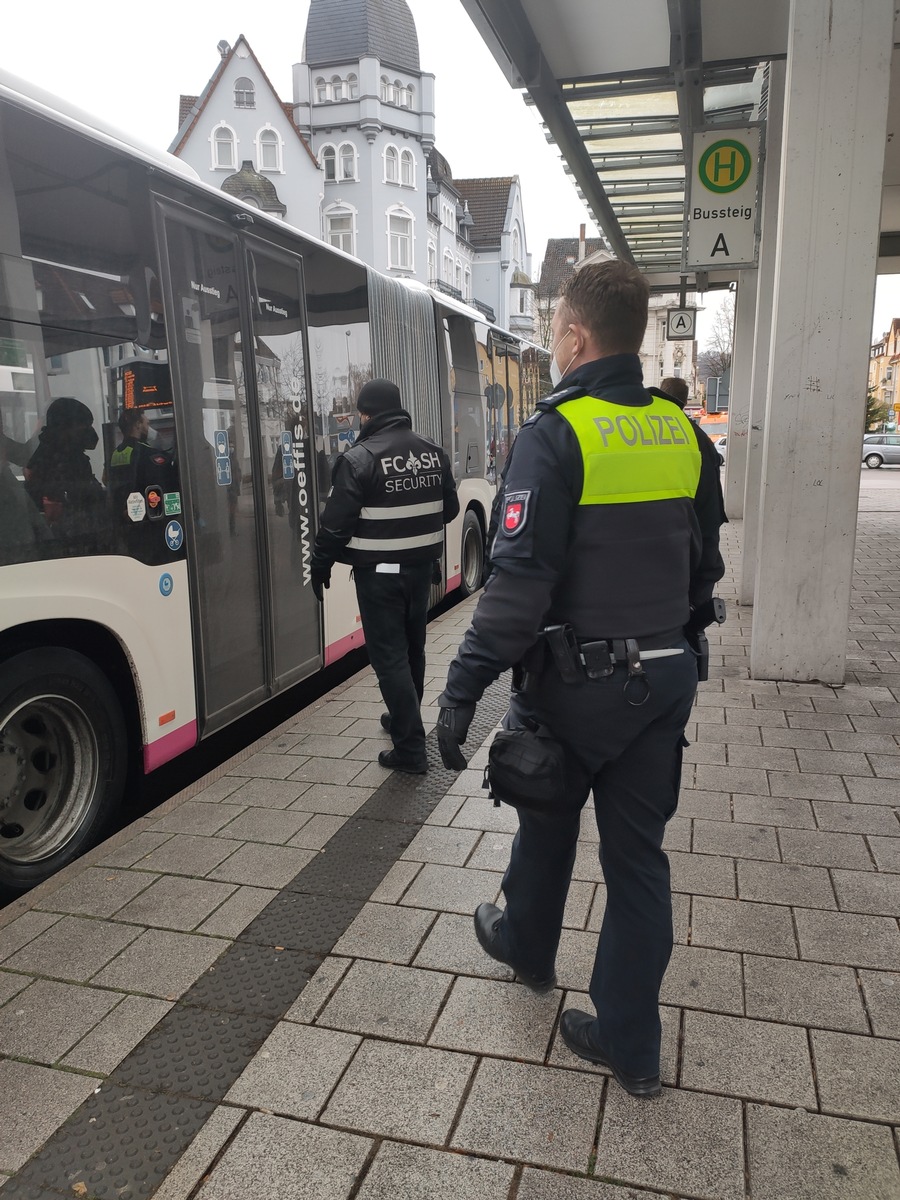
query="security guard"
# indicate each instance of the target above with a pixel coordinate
(607, 537)
(391, 495)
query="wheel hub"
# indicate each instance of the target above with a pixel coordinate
(49, 768)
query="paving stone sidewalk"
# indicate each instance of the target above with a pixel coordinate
(272, 990)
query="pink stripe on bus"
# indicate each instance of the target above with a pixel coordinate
(343, 646)
(166, 748)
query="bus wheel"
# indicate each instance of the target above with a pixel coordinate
(63, 755)
(472, 555)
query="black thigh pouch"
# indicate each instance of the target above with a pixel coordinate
(529, 769)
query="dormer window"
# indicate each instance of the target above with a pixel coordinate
(244, 93)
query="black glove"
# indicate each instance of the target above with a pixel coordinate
(452, 730)
(320, 580)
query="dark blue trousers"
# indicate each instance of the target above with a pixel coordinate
(630, 757)
(394, 612)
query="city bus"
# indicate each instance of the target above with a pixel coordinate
(148, 600)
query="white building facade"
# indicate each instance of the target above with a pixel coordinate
(351, 159)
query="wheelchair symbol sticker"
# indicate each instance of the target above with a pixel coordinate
(174, 535)
(166, 584)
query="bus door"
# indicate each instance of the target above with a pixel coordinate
(227, 472)
(286, 497)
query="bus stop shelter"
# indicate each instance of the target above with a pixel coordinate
(657, 107)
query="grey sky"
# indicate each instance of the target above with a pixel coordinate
(130, 66)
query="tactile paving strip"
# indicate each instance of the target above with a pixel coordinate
(120, 1145)
(195, 1052)
(311, 923)
(124, 1140)
(250, 978)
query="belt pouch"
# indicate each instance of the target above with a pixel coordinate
(598, 662)
(526, 769)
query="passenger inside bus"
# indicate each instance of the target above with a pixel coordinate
(24, 532)
(60, 482)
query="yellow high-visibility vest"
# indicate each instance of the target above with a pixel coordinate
(632, 455)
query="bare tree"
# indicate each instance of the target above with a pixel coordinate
(715, 357)
(543, 311)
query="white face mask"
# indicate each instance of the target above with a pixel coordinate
(556, 375)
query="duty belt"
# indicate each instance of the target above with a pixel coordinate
(577, 661)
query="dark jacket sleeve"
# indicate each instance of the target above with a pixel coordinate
(451, 500)
(526, 562)
(340, 515)
(709, 507)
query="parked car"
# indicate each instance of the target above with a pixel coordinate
(880, 448)
(721, 447)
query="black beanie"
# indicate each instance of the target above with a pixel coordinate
(379, 396)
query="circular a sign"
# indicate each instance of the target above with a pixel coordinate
(724, 166)
(166, 584)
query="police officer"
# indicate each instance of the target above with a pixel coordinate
(391, 495)
(608, 529)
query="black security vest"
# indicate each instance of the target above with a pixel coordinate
(402, 519)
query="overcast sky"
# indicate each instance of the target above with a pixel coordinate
(129, 66)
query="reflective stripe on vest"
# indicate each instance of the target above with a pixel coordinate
(632, 455)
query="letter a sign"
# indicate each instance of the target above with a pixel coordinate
(681, 324)
(721, 209)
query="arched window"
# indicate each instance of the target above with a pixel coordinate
(448, 268)
(458, 276)
(224, 148)
(467, 292)
(407, 169)
(385, 90)
(353, 87)
(432, 262)
(406, 96)
(328, 159)
(396, 92)
(322, 96)
(400, 239)
(337, 87)
(516, 246)
(340, 227)
(391, 165)
(269, 150)
(244, 93)
(348, 160)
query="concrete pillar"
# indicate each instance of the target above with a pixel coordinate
(838, 79)
(739, 397)
(762, 340)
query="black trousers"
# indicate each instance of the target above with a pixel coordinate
(630, 757)
(394, 610)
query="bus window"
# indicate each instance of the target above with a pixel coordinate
(80, 319)
(468, 403)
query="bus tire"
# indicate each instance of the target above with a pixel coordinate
(63, 760)
(471, 555)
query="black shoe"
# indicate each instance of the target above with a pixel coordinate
(575, 1028)
(386, 722)
(391, 760)
(486, 918)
